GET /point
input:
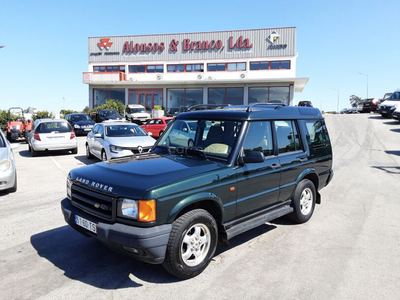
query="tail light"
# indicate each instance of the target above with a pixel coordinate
(36, 136)
(72, 134)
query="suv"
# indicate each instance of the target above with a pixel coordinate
(106, 115)
(388, 106)
(305, 103)
(368, 105)
(81, 122)
(136, 113)
(242, 167)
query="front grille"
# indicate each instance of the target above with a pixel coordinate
(94, 203)
(136, 150)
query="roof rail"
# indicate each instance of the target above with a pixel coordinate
(206, 106)
(250, 108)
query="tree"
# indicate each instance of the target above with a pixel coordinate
(354, 100)
(112, 104)
(43, 115)
(86, 110)
(65, 112)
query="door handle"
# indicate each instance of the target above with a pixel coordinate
(303, 159)
(275, 166)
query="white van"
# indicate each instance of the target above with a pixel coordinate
(136, 113)
(388, 106)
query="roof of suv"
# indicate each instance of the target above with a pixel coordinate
(255, 112)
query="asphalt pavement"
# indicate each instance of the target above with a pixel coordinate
(348, 250)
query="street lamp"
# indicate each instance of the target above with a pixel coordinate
(367, 81)
(337, 110)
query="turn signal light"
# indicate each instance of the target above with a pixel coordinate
(36, 136)
(147, 210)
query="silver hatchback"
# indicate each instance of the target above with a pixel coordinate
(8, 172)
(52, 134)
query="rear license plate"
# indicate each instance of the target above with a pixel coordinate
(86, 224)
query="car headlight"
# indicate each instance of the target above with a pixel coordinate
(77, 126)
(116, 149)
(69, 187)
(129, 209)
(141, 210)
(5, 165)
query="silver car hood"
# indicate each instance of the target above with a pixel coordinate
(132, 141)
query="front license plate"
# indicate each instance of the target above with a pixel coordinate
(86, 224)
(87, 129)
(384, 111)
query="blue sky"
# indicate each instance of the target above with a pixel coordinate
(46, 43)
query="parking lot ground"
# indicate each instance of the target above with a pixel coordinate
(350, 249)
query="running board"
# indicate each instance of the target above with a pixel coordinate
(246, 223)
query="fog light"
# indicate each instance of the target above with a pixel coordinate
(130, 249)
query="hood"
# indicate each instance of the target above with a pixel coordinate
(141, 115)
(390, 103)
(113, 118)
(132, 177)
(83, 123)
(132, 141)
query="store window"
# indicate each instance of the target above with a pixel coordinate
(108, 69)
(100, 96)
(233, 96)
(271, 65)
(185, 68)
(181, 99)
(149, 98)
(146, 69)
(278, 95)
(241, 66)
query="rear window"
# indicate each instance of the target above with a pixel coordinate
(49, 127)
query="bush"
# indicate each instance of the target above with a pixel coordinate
(112, 104)
(43, 115)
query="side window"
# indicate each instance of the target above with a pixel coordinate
(101, 130)
(96, 128)
(259, 138)
(317, 136)
(151, 122)
(287, 136)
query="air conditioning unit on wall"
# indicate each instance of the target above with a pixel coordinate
(159, 77)
(200, 76)
(243, 75)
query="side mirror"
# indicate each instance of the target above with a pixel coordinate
(254, 157)
(98, 135)
(149, 133)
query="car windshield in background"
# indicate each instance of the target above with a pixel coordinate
(209, 137)
(78, 118)
(395, 96)
(124, 130)
(49, 127)
(137, 110)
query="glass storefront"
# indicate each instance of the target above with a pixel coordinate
(269, 95)
(233, 96)
(184, 98)
(100, 96)
(149, 98)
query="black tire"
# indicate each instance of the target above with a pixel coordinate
(33, 152)
(181, 259)
(103, 155)
(9, 136)
(74, 151)
(303, 201)
(88, 154)
(14, 188)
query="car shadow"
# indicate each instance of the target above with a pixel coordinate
(89, 261)
(391, 122)
(395, 130)
(389, 169)
(83, 159)
(27, 153)
(379, 117)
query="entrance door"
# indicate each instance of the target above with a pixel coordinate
(146, 100)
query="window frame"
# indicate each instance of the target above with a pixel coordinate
(185, 68)
(269, 65)
(146, 67)
(225, 88)
(226, 66)
(294, 124)
(121, 69)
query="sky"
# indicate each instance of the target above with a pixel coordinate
(46, 43)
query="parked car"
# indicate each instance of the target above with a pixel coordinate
(396, 113)
(106, 115)
(184, 134)
(305, 103)
(368, 105)
(8, 172)
(50, 135)
(136, 113)
(387, 107)
(156, 126)
(345, 111)
(245, 166)
(109, 140)
(81, 123)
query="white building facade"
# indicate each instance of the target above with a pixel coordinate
(171, 71)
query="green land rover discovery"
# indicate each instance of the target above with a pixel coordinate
(211, 176)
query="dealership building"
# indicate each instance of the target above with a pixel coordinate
(170, 71)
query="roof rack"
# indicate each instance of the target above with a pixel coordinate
(207, 106)
(250, 108)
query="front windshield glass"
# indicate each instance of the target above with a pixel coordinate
(395, 96)
(124, 130)
(79, 118)
(137, 110)
(210, 137)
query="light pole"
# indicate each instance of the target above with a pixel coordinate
(337, 110)
(367, 81)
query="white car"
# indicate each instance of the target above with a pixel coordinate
(387, 107)
(8, 172)
(51, 135)
(136, 113)
(109, 140)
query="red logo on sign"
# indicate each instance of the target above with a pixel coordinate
(104, 44)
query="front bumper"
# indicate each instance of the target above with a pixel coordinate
(150, 243)
(396, 115)
(7, 179)
(41, 146)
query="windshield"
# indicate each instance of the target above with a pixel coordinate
(395, 96)
(79, 118)
(124, 130)
(208, 137)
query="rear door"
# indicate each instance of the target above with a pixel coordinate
(292, 157)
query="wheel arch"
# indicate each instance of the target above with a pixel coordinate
(311, 175)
